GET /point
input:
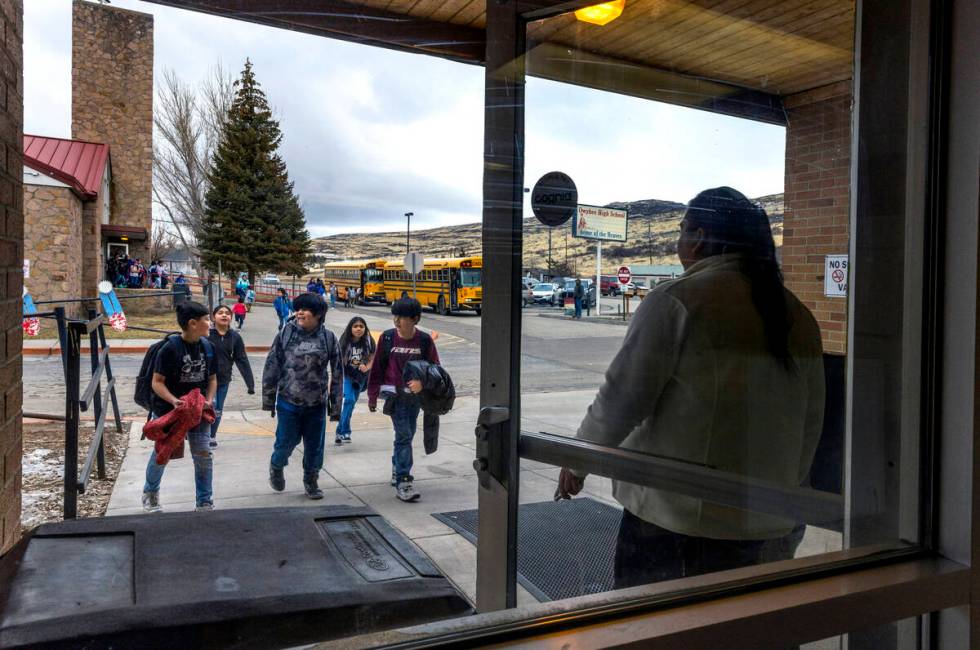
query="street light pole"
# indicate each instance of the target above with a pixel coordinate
(408, 232)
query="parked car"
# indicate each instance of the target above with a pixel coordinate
(569, 290)
(527, 293)
(546, 293)
(609, 285)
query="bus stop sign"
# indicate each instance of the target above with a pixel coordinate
(624, 275)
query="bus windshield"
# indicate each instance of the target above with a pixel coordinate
(470, 277)
(374, 275)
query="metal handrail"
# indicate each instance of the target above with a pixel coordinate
(93, 384)
(690, 479)
(96, 443)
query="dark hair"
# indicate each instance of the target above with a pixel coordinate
(733, 224)
(347, 336)
(311, 303)
(408, 307)
(283, 292)
(217, 308)
(188, 311)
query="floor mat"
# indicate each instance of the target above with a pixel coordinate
(564, 548)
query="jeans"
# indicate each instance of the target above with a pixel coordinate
(350, 399)
(404, 418)
(578, 308)
(200, 442)
(295, 423)
(282, 320)
(647, 553)
(219, 405)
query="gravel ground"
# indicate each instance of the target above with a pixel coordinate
(44, 461)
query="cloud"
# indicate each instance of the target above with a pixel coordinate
(370, 133)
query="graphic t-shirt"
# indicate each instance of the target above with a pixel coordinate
(185, 366)
(359, 353)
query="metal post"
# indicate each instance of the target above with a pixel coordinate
(551, 263)
(598, 277)
(500, 392)
(108, 378)
(93, 344)
(221, 292)
(72, 354)
(408, 232)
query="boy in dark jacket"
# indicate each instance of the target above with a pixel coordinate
(229, 350)
(183, 364)
(295, 383)
(396, 348)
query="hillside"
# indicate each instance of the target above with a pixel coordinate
(651, 239)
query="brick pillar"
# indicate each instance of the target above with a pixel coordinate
(817, 201)
(93, 257)
(112, 102)
(11, 271)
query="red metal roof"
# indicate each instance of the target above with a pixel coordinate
(76, 163)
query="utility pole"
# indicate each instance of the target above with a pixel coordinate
(550, 263)
(408, 232)
(650, 239)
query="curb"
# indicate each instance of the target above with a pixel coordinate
(117, 349)
(610, 320)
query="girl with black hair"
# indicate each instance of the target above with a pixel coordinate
(356, 356)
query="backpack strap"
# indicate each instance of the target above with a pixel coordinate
(425, 344)
(385, 343)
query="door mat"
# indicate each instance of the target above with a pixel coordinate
(564, 548)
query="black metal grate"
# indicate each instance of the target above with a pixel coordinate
(564, 548)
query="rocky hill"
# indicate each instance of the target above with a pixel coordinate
(651, 239)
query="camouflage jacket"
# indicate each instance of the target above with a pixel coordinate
(300, 366)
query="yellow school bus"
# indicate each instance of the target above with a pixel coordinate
(364, 275)
(445, 284)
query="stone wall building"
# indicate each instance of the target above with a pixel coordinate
(112, 102)
(66, 199)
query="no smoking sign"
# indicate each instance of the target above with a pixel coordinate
(835, 276)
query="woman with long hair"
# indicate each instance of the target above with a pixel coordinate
(357, 349)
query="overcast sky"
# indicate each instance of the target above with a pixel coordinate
(369, 134)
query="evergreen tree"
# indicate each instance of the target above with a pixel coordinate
(253, 220)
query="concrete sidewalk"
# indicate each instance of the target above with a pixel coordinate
(358, 474)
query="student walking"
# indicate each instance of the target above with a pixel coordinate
(240, 310)
(396, 347)
(579, 294)
(249, 298)
(229, 350)
(297, 377)
(241, 287)
(283, 306)
(356, 355)
(333, 295)
(182, 364)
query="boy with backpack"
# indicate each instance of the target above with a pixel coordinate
(180, 364)
(396, 347)
(297, 377)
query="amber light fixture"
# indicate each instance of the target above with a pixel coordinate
(601, 14)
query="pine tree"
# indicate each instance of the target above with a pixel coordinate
(253, 220)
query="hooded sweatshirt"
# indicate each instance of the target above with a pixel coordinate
(299, 367)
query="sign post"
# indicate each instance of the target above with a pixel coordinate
(598, 223)
(623, 275)
(413, 264)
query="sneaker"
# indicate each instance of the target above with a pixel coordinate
(339, 439)
(213, 443)
(394, 478)
(151, 502)
(313, 491)
(406, 491)
(347, 439)
(276, 479)
(207, 506)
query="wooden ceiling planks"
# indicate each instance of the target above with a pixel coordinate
(779, 46)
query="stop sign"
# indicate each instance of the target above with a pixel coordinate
(624, 274)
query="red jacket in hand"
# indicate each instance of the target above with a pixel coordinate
(170, 430)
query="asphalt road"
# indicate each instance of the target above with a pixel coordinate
(557, 354)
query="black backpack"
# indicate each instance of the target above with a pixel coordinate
(143, 395)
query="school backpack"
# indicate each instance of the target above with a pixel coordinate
(143, 395)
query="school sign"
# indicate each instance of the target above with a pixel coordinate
(604, 224)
